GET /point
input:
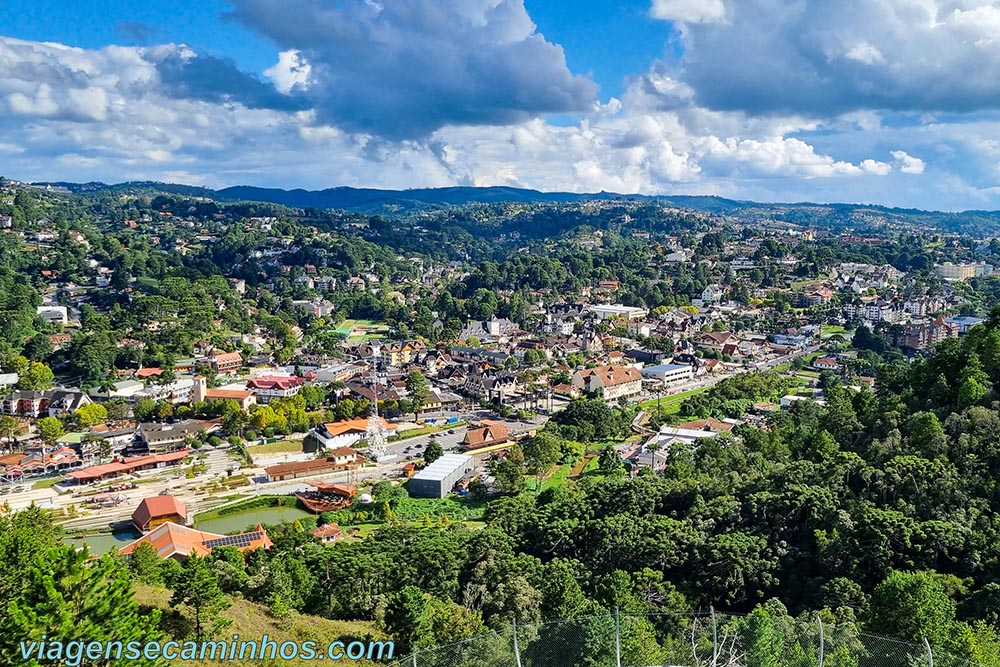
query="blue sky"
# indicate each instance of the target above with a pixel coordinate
(604, 39)
(882, 101)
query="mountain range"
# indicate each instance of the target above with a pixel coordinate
(372, 201)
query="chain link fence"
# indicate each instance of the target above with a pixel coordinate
(679, 640)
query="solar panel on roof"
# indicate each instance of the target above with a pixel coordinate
(242, 540)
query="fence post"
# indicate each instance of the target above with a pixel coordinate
(715, 638)
(415, 659)
(517, 651)
(820, 622)
(930, 653)
(618, 639)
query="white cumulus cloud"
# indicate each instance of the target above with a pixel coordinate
(907, 163)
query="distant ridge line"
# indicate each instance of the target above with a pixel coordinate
(372, 199)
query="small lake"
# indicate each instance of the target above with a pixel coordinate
(102, 543)
(234, 523)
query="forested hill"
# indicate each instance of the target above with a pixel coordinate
(372, 199)
(369, 200)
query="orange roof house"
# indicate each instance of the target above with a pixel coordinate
(327, 533)
(173, 541)
(155, 511)
(345, 433)
(244, 398)
(713, 425)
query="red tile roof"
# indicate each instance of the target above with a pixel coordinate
(275, 382)
(328, 531)
(171, 539)
(490, 433)
(156, 508)
(126, 465)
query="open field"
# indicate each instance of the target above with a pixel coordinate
(252, 621)
(361, 330)
(672, 404)
(279, 447)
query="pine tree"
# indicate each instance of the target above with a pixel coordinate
(65, 598)
(196, 586)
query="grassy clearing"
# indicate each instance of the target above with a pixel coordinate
(251, 620)
(46, 483)
(556, 476)
(672, 404)
(279, 447)
(414, 509)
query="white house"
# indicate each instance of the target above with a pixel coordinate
(335, 435)
(712, 293)
(614, 381)
(57, 314)
(607, 311)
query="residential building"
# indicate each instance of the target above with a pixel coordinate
(489, 330)
(717, 340)
(400, 354)
(826, 364)
(43, 403)
(244, 398)
(269, 387)
(613, 381)
(226, 362)
(166, 437)
(927, 334)
(964, 323)
(875, 310)
(712, 294)
(617, 310)
(56, 314)
(328, 533)
(964, 271)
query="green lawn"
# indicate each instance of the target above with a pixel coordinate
(799, 284)
(555, 477)
(279, 447)
(47, 483)
(808, 359)
(672, 404)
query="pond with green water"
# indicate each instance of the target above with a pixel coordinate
(234, 523)
(102, 543)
